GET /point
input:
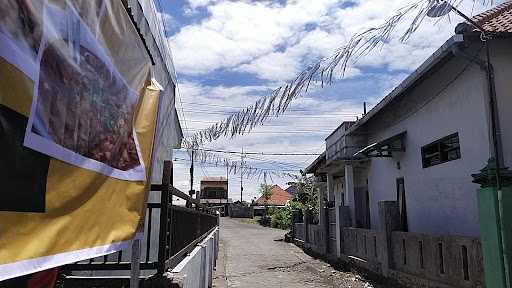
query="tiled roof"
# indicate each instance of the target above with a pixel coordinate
(292, 190)
(497, 19)
(279, 197)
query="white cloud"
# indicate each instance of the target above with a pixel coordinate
(168, 21)
(238, 32)
(271, 42)
(200, 3)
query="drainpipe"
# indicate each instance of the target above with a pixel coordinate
(496, 143)
(489, 70)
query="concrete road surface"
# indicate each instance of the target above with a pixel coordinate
(250, 257)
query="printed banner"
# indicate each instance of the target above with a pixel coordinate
(77, 122)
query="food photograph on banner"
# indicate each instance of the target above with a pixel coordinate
(78, 114)
(82, 111)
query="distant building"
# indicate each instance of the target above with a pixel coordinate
(292, 190)
(279, 199)
(214, 193)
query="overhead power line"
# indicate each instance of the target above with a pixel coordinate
(280, 132)
(255, 153)
(236, 108)
(321, 73)
(224, 112)
(213, 165)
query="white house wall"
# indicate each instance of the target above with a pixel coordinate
(502, 62)
(440, 199)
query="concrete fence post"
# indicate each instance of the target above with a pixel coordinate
(389, 217)
(307, 221)
(339, 231)
(325, 222)
(295, 219)
(343, 220)
(495, 211)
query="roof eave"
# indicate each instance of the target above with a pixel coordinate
(426, 66)
(313, 166)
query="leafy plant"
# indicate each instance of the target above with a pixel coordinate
(307, 195)
(266, 192)
(281, 218)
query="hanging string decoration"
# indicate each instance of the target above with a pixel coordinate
(321, 73)
(240, 166)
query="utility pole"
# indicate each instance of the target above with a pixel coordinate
(227, 180)
(241, 175)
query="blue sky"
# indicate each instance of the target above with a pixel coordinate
(229, 53)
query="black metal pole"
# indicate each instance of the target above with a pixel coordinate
(496, 137)
(496, 141)
(473, 23)
(192, 174)
(241, 175)
(164, 202)
(191, 191)
(493, 112)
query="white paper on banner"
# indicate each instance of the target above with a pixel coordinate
(82, 109)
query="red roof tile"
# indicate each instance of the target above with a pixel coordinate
(497, 19)
(279, 197)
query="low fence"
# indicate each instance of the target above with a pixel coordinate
(196, 269)
(316, 238)
(331, 220)
(299, 232)
(452, 260)
(170, 234)
(239, 211)
(416, 260)
(363, 244)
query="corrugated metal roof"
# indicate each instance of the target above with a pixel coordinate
(168, 131)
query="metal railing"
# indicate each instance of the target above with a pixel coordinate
(183, 228)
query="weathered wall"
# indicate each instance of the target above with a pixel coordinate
(502, 61)
(299, 231)
(440, 199)
(412, 259)
(316, 238)
(237, 211)
(451, 260)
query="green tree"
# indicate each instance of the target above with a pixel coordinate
(266, 192)
(307, 198)
(307, 194)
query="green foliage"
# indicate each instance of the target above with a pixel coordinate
(307, 195)
(281, 218)
(266, 191)
(264, 221)
(307, 198)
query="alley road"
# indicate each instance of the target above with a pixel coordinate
(250, 257)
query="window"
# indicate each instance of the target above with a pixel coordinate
(214, 193)
(441, 151)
